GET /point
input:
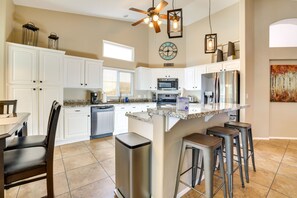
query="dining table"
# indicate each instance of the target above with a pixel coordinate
(10, 125)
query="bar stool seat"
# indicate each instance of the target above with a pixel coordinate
(229, 135)
(245, 130)
(209, 146)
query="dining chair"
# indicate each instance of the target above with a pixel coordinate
(5, 104)
(20, 165)
(30, 141)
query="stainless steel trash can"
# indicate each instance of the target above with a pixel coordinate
(133, 159)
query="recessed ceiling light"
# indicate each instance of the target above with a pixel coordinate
(126, 15)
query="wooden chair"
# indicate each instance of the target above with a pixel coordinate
(22, 164)
(5, 104)
(30, 141)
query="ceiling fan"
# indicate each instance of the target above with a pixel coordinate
(153, 15)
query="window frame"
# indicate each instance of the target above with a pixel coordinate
(119, 45)
(118, 82)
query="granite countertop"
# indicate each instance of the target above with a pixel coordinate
(196, 110)
(87, 103)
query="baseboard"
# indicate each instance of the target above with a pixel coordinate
(71, 140)
(275, 138)
(260, 138)
(187, 189)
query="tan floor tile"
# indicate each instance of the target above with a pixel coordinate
(252, 190)
(285, 185)
(57, 153)
(288, 171)
(265, 163)
(58, 166)
(275, 194)
(291, 152)
(85, 175)
(99, 145)
(79, 160)
(73, 149)
(288, 160)
(104, 154)
(113, 178)
(293, 144)
(266, 150)
(66, 195)
(109, 166)
(12, 192)
(38, 189)
(277, 142)
(100, 189)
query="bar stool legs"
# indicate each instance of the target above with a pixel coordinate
(245, 149)
(252, 148)
(238, 151)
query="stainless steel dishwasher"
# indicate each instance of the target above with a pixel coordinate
(102, 121)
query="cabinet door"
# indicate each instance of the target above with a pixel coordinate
(73, 72)
(215, 67)
(46, 97)
(199, 70)
(93, 74)
(22, 65)
(180, 74)
(143, 78)
(76, 124)
(190, 78)
(121, 121)
(27, 101)
(231, 65)
(50, 68)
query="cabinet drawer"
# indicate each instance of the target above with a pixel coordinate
(78, 110)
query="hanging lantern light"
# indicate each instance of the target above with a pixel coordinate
(175, 22)
(30, 34)
(210, 41)
(53, 41)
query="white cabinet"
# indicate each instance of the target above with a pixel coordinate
(82, 72)
(193, 77)
(37, 101)
(223, 66)
(29, 65)
(143, 78)
(77, 122)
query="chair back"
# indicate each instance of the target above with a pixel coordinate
(50, 114)
(5, 104)
(51, 134)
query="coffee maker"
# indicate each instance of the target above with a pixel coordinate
(94, 98)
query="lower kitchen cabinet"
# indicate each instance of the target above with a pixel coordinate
(77, 122)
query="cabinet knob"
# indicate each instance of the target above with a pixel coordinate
(40, 89)
(81, 84)
(86, 84)
(77, 110)
(34, 81)
(34, 89)
(41, 81)
(88, 115)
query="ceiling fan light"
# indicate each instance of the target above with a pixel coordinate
(146, 20)
(159, 22)
(151, 25)
(155, 17)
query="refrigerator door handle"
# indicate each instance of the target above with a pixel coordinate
(218, 86)
(215, 90)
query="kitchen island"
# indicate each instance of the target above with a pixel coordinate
(166, 127)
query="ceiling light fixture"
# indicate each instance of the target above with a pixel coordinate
(174, 22)
(210, 41)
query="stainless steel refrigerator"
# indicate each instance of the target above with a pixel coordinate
(221, 87)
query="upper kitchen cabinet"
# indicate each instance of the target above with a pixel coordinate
(143, 78)
(29, 65)
(223, 66)
(82, 72)
(193, 77)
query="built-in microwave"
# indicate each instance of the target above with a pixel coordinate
(167, 83)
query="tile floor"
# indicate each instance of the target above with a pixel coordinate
(86, 169)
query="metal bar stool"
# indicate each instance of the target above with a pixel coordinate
(245, 130)
(229, 135)
(208, 145)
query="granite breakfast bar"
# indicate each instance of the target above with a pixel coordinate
(166, 127)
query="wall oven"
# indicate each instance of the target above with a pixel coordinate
(167, 83)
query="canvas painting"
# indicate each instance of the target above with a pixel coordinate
(283, 83)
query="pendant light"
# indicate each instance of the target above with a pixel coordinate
(175, 22)
(210, 41)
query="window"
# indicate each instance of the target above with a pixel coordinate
(118, 51)
(117, 82)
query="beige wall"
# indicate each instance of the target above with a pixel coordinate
(225, 23)
(82, 35)
(155, 40)
(6, 24)
(271, 119)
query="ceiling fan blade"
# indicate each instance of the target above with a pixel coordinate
(138, 22)
(161, 6)
(156, 26)
(138, 10)
(163, 16)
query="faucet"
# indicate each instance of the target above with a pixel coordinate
(120, 97)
